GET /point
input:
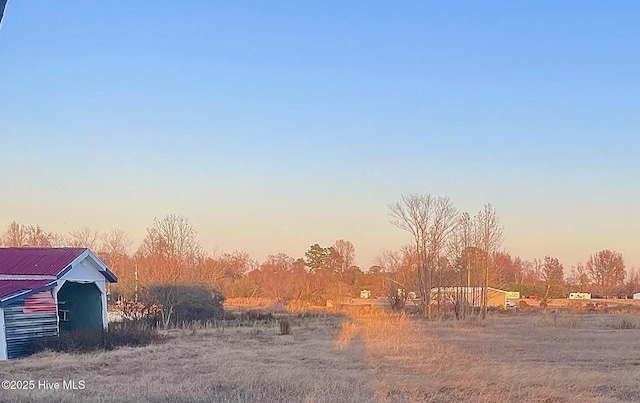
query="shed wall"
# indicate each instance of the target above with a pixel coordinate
(497, 298)
(21, 327)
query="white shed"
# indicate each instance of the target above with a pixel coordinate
(46, 290)
(636, 295)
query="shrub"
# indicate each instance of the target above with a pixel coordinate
(250, 316)
(126, 333)
(131, 333)
(185, 303)
(626, 323)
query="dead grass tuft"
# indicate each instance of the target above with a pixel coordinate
(628, 322)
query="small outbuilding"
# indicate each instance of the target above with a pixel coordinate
(473, 295)
(46, 290)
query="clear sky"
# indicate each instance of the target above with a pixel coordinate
(276, 125)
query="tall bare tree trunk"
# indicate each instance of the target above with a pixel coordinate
(485, 291)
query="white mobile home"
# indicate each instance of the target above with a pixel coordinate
(579, 295)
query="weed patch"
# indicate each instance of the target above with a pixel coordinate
(126, 333)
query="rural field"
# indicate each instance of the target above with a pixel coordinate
(527, 357)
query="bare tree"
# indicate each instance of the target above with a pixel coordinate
(552, 275)
(20, 235)
(430, 220)
(413, 214)
(441, 229)
(60, 240)
(276, 275)
(37, 237)
(398, 269)
(464, 240)
(582, 277)
(461, 237)
(389, 261)
(238, 263)
(116, 243)
(461, 249)
(172, 237)
(489, 238)
(443, 226)
(171, 248)
(347, 253)
(15, 235)
(211, 271)
(632, 284)
(607, 271)
(511, 270)
(114, 247)
(85, 238)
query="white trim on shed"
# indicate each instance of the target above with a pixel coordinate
(3, 341)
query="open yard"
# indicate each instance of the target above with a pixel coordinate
(509, 357)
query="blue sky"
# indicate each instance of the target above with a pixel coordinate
(275, 125)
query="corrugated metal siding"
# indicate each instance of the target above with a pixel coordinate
(20, 327)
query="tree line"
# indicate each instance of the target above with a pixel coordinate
(447, 249)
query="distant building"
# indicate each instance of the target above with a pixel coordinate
(46, 290)
(579, 295)
(473, 295)
(365, 294)
(636, 295)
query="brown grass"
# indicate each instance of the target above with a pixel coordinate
(526, 358)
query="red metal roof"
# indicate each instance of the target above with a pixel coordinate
(37, 261)
(8, 287)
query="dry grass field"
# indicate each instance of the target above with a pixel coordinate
(327, 358)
